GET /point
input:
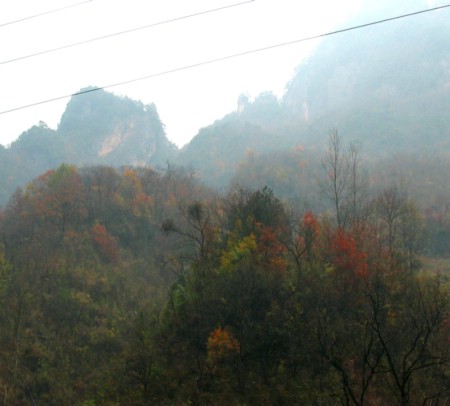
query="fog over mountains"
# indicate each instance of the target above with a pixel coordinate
(387, 87)
(295, 252)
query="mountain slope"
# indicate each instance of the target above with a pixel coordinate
(218, 149)
(103, 128)
(385, 86)
(97, 128)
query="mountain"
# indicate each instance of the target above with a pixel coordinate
(218, 149)
(97, 128)
(385, 87)
(35, 151)
(105, 129)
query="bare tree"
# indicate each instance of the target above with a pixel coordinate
(337, 174)
(357, 186)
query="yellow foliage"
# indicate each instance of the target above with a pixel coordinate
(238, 250)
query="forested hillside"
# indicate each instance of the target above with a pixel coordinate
(295, 252)
(136, 287)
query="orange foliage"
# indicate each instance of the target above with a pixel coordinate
(44, 178)
(346, 257)
(271, 248)
(105, 243)
(221, 345)
(310, 224)
(306, 241)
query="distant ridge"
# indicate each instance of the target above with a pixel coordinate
(386, 88)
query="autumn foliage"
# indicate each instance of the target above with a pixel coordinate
(221, 346)
(134, 287)
(346, 256)
(105, 244)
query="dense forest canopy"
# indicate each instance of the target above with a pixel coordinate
(132, 286)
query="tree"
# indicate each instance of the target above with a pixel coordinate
(57, 199)
(336, 168)
(344, 184)
(400, 227)
(410, 320)
(357, 193)
(106, 245)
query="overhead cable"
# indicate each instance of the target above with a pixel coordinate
(115, 34)
(45, 13)
(224, 58)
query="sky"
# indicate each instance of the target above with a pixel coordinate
(186, 100)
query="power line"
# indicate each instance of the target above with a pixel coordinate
(223, 58)
(45, 13)
(115, 34)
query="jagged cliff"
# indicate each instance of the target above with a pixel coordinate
(97, 128)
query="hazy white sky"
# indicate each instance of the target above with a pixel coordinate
(186, 100)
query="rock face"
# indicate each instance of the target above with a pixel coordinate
(101, 128)
(97, 128)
